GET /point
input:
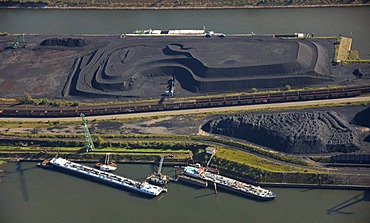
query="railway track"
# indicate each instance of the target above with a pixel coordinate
(304, 95)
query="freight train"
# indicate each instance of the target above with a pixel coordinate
(278, 97)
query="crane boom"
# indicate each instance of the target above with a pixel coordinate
(89, 145)
(209, 161)
(160, 165)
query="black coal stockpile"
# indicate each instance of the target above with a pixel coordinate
(125, 67)
(299, 132)
(367, 138)
(69, 42)
(363, 118)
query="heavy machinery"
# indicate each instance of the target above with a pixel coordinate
(89, 145)
(15, 44)
(158, 178)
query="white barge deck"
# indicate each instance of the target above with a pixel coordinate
(229, 184)
(109, 178)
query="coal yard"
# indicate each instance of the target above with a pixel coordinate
(101, 67)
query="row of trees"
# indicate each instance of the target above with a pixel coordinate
(27, 99)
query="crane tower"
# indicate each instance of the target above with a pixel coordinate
(89, 145)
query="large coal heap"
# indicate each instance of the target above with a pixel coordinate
(301, 132)
(367, 138)
(363, 118)
(106, 67)
(201, 65)
(68, 42)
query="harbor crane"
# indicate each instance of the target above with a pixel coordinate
(209, 161)
(89, 145)
(160, 165)
(158, 178)
(212, 151)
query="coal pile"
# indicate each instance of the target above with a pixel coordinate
(363, 118)
(68, 42)
(200, 65)
(299, 133)
(106, 67)
(367, 138)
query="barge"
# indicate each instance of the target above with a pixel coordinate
(200, 173)
(105, 177)
(176, 32)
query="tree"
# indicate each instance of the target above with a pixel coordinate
(27, 99)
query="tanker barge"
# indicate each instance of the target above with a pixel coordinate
(105, 177)
(200, 173)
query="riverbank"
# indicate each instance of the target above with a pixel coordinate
(69, 7)
(277, 184)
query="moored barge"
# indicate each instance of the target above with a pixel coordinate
(105, 177)
(229, 184)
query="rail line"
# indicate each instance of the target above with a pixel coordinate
(304, 95)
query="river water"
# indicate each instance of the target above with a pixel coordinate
(31, 194)
(320, 21)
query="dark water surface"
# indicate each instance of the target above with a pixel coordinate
(320, 21)
(31, 194)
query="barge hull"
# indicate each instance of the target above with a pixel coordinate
(192, 181)
(106, 178)
(229, 184)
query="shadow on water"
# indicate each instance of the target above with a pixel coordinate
(22, 181)
(114, 187)
(138, 195)
(306, 190)
(338, 209)
(205, 195)
(19, 169)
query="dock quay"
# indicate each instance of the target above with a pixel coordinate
(344, 49)
(105, 177)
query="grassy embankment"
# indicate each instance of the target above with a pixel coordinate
(230, 161)
(235, 162)
(178, 145)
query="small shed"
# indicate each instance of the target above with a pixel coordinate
(211, 150)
